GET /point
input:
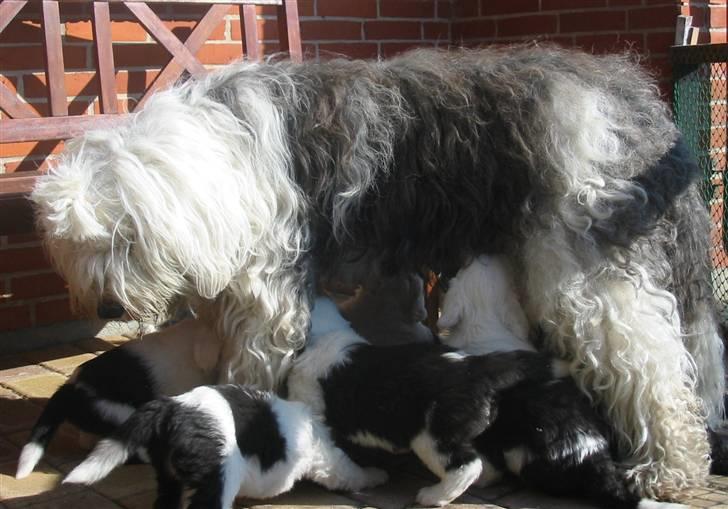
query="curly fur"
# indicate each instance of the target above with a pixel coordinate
(566, 162)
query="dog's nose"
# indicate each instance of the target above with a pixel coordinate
(109, 310)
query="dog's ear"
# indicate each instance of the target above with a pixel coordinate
(452, 307)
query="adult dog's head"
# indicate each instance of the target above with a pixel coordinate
(175, 202)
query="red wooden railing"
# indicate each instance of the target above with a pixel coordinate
(25, 124)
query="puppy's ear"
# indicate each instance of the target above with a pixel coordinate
(452, 307)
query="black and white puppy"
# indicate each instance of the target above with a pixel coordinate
(547, 433)
(103, 392)
(420, 397)
(224, 441)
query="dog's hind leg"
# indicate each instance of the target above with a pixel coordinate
(458, 469)
(333, 469)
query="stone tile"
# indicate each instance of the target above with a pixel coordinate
(400, 492)
(66, 365)
(39, 487)
(86, 498)
(94, 345)
(697, 502)
(125, 481)
(64, 447)
(494, 492)
(715, 497)
(21, 371)
(304, 494)
(527, 498)
(47, 355)
(143, 500)
(17, 413)
(42, 386)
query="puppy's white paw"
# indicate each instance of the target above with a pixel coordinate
(432, 496)
(375, 477)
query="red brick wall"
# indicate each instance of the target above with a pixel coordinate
(31, 295)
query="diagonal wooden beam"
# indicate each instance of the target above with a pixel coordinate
(14, 107)
(8, 10)
(194, 42)
(165, 37)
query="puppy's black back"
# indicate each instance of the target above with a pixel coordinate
(389, 391)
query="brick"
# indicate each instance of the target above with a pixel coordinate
(76, 83)
(135, 82)
(659, 42)
(53, 311)
(467, 9)
(652, 17)
(358, 9)
(23, 239)
(321, 30)
(21, 259)
(388, 30)
(120, 31)
(37, 285)
(490, 8)
(30, 148)
(219, 54)
(390, 49)
(436, 30)
(183, 29)
(527, 25)
(622, 3)
(557, 5)
(607, 43)
(351, 50)
(475, 29)
(592, 21)
(15, 317)
(27, 164)
(717, 37)
(406, 8)
(22, 31)
(444, 10)
(140, 55)
(718, 16)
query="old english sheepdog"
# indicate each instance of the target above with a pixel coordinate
(230, 190)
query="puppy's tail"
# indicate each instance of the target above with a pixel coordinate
(132, 437)
(55, 412)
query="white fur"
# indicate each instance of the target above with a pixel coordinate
(654, 504)
(134, 214)
(29, 458)
(106, 456)
(118, 412)
(516, 459)
(481, 309)
(367, 439)
(452, 485)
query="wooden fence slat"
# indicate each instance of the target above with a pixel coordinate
(165, 37)
(249, 26)
(14, 107)
(289, 31)
(194, 42)
(105, 57)
(54, 59)
(54, 128)
(233, 2)
(8, 10)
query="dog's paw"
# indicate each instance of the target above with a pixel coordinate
(432, 496)
(375, 477)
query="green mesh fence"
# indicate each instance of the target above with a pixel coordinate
(700, 104)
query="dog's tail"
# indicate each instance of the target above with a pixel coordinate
(55, 412)
(132, 437)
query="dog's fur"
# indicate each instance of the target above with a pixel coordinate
(389, 311)
(548, 434)
(103, 392)
(224, 441)
(421, 397)
(221, 187)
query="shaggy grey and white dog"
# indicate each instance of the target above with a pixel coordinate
(224, 188)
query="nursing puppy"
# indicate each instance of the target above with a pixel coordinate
(103, 392)
(420, 397)
(546, 433)
(389, 311)
(225, 441)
